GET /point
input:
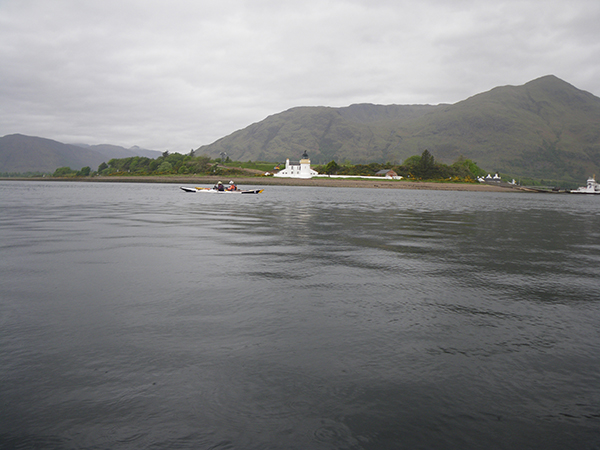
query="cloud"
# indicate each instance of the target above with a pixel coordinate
(179, 74)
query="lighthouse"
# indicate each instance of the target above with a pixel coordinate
(299, 169)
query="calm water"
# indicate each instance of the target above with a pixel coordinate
(135, 316)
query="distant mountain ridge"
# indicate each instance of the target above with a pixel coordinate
(546, 128)
(115, 151)
(20, 154)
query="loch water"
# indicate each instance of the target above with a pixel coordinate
(136, 316)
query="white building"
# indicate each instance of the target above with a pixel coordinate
(496, 178)
(297, 169)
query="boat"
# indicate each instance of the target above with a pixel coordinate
(592, 187)
(214, 191)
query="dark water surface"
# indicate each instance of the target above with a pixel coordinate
(135, 316)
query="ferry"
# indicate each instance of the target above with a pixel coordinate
(592, 187)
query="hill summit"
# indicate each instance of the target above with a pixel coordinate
(546, 128)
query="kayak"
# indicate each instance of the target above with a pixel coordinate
(214, 191)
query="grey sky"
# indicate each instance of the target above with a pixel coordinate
(177, 74)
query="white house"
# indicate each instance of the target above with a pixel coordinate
(297, 169)
(388, 173)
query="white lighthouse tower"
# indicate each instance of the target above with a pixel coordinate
(299, 169)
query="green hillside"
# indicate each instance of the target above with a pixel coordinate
(546, 128)
(357, 133)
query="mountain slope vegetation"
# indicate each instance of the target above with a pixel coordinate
(546, 128)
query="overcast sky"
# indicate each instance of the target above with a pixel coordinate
(177, 74)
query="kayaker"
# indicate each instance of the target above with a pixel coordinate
(232, 186)
(219, 187)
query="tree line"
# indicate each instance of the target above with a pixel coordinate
(418, 167)
(423, 167)
(166, 164)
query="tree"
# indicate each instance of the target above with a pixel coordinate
(331, 168)
(467, 168)
(412, 161)
(426, 166)
(84, 172)
(64, 172)
(102, 167)
(165, 167)
(200, 164)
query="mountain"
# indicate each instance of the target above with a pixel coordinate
(115, 151)
(20, 154)
(546, 128)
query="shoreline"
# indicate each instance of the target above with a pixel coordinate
(271, 181)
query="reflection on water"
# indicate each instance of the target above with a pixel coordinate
(137, 316)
